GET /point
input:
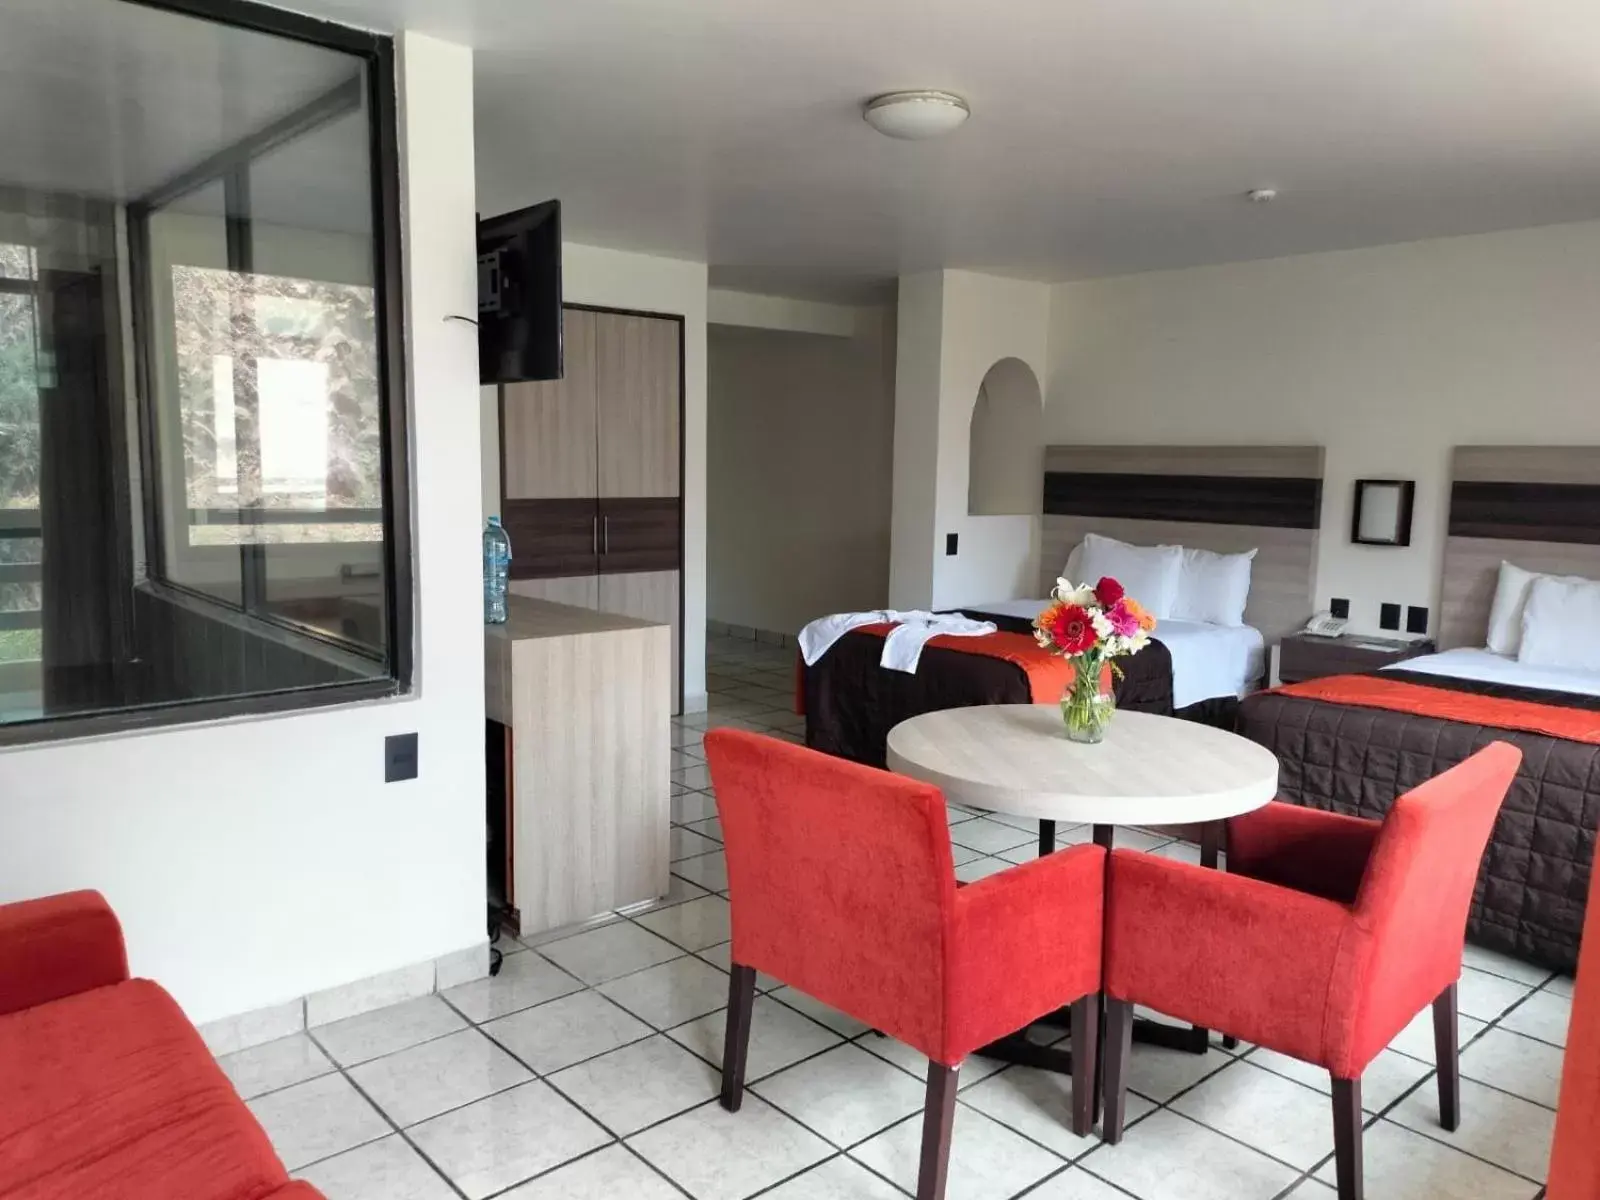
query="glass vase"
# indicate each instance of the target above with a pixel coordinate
(1087, 708)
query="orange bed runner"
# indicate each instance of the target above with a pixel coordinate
(1049, 676)
(1526, 716)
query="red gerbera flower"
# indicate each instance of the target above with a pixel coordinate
(1070, 629)
(1108, 591)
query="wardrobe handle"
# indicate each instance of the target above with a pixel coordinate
(594, 535)
(605, 535)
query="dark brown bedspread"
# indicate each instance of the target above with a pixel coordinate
(1534, 881)
(852, 702)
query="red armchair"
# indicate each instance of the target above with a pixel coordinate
(108, 1090)
(1325, 938)
(842, 886)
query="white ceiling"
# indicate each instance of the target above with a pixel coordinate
(1107, 136)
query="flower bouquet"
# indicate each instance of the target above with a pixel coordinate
(1091, 626)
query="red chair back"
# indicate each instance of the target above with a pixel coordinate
(1415, 895)
(840, 878)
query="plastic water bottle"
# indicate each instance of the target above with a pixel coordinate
(496, 570)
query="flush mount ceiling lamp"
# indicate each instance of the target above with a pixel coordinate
(913, 116)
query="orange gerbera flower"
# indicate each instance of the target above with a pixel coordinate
(1146, 621)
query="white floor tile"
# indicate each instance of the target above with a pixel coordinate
(990, 837)
(1515, 1064)
(686, 843)
(383, 1031)
(709, 871)
(987, 1160)
(524, 980)
(915, 1062)
(1123, 838)
(1485, 996)
(779, 1037)
(1075, 1184)
(1039, 1104)
(1561, 985)
(317, 1119)
(836, 1179)
(1160, 1074)
(1311, 1189)
(981, 868)
(671, 993)
(610, 952)
(638, 1085)
(507, 1138)
(1386, 1079)
(840, 1023)
(614, 1173)
(711, 828)
(1267, 1111)
(721, 957)
(1416, 1039)
(1166, 1157)
(1543, 1015)
(1403, 1164)
(691, 807)
(273, 1065)
(432, 1078)
(1508, 1131)
(846, 1095)
(695, 777)
(694, 925)
(567, 1031)
(1503, 964)
(382, 1170)
(717, 1155)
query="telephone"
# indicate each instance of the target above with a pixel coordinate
(1325, 625)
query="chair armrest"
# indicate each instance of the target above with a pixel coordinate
(1024, 942)
(1246, 957)
(1303, 848)
(58, 946)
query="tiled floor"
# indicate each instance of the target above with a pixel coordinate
(587, 1069)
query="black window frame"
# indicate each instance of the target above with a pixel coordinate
(380, 93)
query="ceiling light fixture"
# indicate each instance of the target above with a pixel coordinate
(913, 116)
(1261, 195)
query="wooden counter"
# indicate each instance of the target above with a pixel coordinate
(586, 698)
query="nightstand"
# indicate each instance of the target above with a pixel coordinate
(1302, 656)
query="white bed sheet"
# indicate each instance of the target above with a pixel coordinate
(1208, 661)
(1486, 665)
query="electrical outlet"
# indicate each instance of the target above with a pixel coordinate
(1416, 619)
(1340, 607)
(1389, 616)
(949, 543)
(399, 757)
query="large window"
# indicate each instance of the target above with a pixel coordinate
(201, 436)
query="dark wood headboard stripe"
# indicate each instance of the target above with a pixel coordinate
(1526, 512)
(1272, 501)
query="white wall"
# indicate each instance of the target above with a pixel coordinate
(617, 279)
(256, 861)
(954, 326)
(799, 452)
(756, 310)
(1387, 356)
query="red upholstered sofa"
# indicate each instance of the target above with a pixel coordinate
(106, 1090)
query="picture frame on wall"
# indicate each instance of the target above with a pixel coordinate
(1381, 515)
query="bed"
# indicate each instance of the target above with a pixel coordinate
(1223, 499)
(1354, 753)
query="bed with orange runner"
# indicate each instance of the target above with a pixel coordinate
(851, 702)
(1352, 743)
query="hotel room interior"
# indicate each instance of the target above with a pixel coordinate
(764, 848)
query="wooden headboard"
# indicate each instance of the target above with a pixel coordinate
(1535, 506)
(1222, 498)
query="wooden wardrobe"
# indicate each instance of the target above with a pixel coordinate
(591, 472)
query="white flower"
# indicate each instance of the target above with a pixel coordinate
(1069, 593)
(1102, 625)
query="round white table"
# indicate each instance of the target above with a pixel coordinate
(1149, 770)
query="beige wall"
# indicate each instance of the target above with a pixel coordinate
(800, 449)
(1387, 356)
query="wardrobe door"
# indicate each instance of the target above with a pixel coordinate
(637, 396)
(649, 596)
(549, 434)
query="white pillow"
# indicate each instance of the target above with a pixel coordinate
(1561, 623)
(1213, 587)
(1147, 573)
(1505, 615)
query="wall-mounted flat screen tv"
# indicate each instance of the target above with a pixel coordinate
(519, 295)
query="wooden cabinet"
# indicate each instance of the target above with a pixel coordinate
(591, 472)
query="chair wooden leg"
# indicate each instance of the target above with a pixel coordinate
(938, 1120)
(1447, 1056)
(1347, 1137)
(1085, 1054)
(1119, 1047)
(736, 1041)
